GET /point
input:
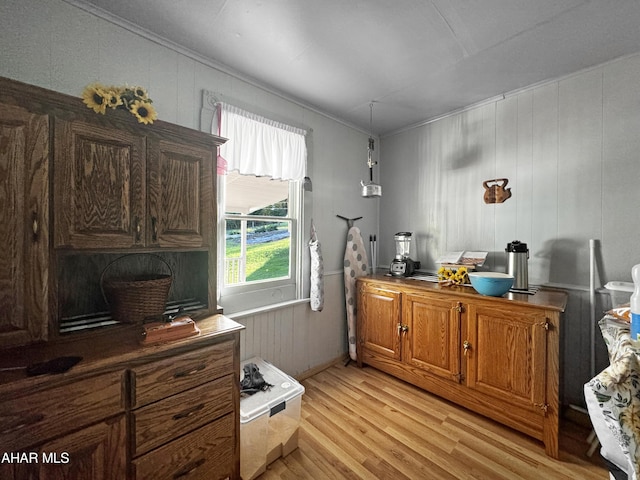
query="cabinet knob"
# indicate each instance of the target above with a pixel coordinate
(466, 347)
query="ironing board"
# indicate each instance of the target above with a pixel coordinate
(355, 265)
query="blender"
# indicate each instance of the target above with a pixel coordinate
(402, 265)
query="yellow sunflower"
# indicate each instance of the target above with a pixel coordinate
(140, 93)
(114, 97)
(143, 111)
(95, 97)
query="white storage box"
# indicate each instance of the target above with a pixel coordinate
(268, 420)
(620, 293)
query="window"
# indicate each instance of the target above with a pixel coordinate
(258, 226)
(259, 212)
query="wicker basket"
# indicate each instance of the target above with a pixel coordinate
(132, 299)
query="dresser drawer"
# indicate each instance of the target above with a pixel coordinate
(161, 379)
(170, 418)
(37, 417)
(206, 454)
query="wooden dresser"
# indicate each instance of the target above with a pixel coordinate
(496, 356)
(125, 411)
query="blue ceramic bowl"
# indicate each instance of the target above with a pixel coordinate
(492, 284)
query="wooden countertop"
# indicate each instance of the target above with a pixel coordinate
(547, 298)
(114, 348)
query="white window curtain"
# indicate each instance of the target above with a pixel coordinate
(259, 146)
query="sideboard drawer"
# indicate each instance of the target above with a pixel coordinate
(161, 379)
(168, 419)
(207, 454)
(33, 418)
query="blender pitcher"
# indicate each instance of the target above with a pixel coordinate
(402, 265)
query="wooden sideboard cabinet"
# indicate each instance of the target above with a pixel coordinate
(126, 411)
(496, 356)
(24, 226)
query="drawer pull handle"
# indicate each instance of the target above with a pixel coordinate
(189, 412)
(189, 468)
(138, 229)
(199, 368)
(26, 422)
(154, 229)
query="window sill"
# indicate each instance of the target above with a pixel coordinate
(266, 308)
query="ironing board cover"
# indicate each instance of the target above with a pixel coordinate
(317, 272)
(355, 265)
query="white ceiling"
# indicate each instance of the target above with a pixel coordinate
(415, 59)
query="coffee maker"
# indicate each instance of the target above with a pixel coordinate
(402, 265)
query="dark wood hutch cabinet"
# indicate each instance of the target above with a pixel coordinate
(78, 192)
(94, 188)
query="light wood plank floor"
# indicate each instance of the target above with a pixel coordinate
(363, 424)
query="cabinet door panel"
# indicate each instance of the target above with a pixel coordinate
(99, 187)
(97, 452)
(24, 226)
(180, 195)
(508, 355)
(433, 336)
(379, 322)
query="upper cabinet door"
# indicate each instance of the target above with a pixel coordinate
(99, 186)
(180, 187)
(24, 226)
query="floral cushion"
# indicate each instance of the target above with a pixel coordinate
(617, 389)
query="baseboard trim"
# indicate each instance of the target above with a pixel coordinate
(318, 368)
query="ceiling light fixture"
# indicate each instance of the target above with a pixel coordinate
(371, 189)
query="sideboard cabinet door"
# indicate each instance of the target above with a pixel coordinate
(433, 334)
(24, 226)
(508, 355)
(379, 327)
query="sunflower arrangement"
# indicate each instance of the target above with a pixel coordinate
(134, 99)
(447, 276)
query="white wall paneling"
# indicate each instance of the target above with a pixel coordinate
(295, 339)
(570, 151)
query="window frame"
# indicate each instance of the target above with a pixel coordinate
(262, 293)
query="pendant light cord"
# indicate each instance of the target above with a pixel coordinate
(370, 161)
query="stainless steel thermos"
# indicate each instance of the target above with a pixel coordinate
(517, 264)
